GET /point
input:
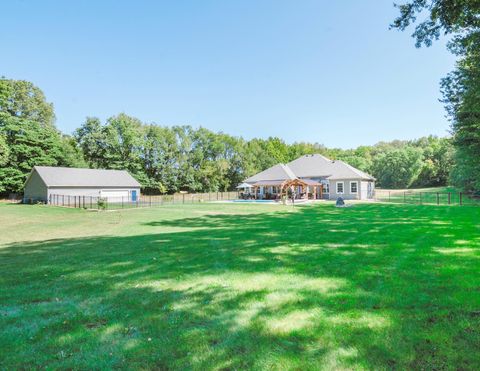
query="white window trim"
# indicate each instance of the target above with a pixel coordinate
(326, 188)
(353, 181)
(343, 188)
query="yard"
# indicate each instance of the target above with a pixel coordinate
(227, 286)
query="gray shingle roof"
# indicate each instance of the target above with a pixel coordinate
(75, 177)
(311, 166)
(276, 172)
(342, 170)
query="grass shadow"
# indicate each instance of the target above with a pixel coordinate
(373, 286)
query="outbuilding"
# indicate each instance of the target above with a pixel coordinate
(45, 182)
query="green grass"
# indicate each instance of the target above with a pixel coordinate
(224, 286)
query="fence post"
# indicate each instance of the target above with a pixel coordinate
(461, 196)
(449, 197)
(438, 199)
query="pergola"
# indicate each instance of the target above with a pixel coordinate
(285, 184)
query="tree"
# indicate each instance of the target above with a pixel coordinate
(123, 135)
(398, 168)
(29, 143)
(437, 161)
(461, 88)
(72, 155)
(24, 100)
(28, 136)
(91, 139)
(4, 150)
(457, 17)
(159, 159)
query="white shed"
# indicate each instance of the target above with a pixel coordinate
(46, 181)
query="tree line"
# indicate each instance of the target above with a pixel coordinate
(460, 21)
(167, 159)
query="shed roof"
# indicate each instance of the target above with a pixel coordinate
(76, 177)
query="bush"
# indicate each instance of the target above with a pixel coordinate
(102, 203)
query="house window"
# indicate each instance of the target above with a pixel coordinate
(340, 187)
(353, 187)
(326, 187)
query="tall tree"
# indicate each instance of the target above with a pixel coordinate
(72, 155)
(461, 88)
(24, 100)
(91, 139)
(159, 159)
(29, 143)
(28, 136)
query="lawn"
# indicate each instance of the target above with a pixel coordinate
(224, 286)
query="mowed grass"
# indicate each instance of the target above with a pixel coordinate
(225, 286)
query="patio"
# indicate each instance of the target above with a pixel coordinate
(300, 189)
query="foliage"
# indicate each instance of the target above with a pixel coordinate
(4, 150)
(461, 88)
(181, 158)
(437, 161)
(398, 168)
(29, 144)
(229, 286)
(28, 136)
(178, 158)
(91, 139)
(102, 203)
(24, 100)
(72, 155)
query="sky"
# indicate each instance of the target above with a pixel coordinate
(318, 71)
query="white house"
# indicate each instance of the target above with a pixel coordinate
(314, 176)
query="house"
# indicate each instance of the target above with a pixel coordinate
(45, 182)
(313, 177)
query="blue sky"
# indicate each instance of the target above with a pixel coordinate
(320, 71)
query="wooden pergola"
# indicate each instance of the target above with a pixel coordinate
(287, 184)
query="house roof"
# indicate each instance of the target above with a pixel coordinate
(342, 170)
(276, 172)
(310, 166)
(75, 177)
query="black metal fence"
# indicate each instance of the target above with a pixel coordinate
(428, 197)
(118, 203)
